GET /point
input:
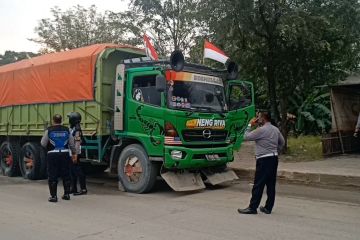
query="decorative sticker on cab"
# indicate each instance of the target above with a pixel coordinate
(206, 123)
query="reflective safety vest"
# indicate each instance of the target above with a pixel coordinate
(58, 138)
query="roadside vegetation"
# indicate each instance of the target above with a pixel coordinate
(303, 148)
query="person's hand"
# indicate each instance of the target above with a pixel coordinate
(74, 158)
(356, 134)
(253, 122)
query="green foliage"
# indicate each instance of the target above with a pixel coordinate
(313, 114)
(174, 24)
(79, 26)
(304, 148)
(285, 46)
(11, 56)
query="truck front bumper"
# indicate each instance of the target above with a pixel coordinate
(197, 158)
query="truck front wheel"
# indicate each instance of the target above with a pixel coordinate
(136, 172)
(9, 158)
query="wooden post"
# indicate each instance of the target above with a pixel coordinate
(336, 123)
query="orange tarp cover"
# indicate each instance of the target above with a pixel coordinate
(51, 78)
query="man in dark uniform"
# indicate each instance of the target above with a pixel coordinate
(58, 141)
(76, 171)
(268, 143)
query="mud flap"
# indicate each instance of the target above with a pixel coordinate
(184, 181)
(215, 178)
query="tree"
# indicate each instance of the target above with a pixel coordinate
(283, 45)
(12, 56)
(174, 24)
(78, 26)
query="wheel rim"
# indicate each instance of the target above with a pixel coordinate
(28, 160)
(7, 158)
(133, 169)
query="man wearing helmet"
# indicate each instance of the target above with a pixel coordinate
(76, 171)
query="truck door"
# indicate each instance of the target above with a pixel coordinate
(144, 110)
(240, 95)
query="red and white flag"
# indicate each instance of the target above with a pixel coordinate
(212, 52)
(149, 49)
(172, 141)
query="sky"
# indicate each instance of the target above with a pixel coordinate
(18, 18)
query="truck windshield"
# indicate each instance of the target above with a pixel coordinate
(197, 96)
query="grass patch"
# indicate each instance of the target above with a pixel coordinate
(303, 148)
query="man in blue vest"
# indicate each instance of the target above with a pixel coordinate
(58, 141)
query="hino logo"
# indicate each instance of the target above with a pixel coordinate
(206, 133)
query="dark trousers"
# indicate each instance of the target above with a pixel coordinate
(58, 165)
(265, 175)
(77, 173)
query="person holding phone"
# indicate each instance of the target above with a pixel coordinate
(268, 143)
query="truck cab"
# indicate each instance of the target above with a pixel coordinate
(182, 123)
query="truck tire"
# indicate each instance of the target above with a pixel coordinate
(9, 158)
(136, 172)
(30, 161)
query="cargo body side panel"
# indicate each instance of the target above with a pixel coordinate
(31, 120)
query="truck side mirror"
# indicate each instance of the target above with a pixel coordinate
(233, 70)
(160, 83)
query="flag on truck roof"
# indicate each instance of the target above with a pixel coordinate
(149, 49)
(213, 52)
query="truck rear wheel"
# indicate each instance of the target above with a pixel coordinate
(136, 172)
(9, 158)
(31, 160)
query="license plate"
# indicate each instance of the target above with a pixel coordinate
(212, 157)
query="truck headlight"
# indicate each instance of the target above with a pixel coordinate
(176, 154)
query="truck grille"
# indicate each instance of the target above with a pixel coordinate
(192, 135)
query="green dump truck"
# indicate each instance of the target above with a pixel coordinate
(140, 118)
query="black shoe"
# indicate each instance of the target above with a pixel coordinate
(82, 192)
(265, 210)
(247, 211)
(53, 191)
(66, 197)
(53, 199)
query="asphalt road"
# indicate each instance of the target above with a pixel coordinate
(105, 213)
